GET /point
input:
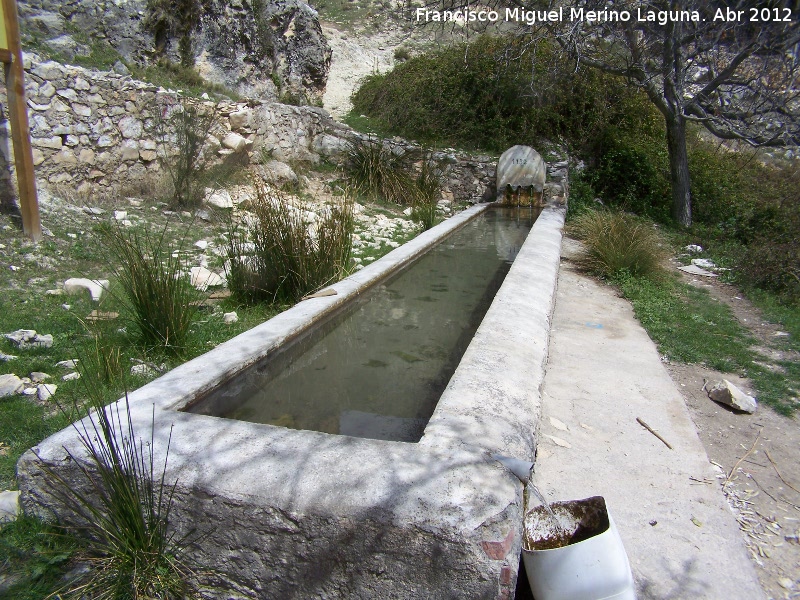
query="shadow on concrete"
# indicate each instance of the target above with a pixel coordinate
(686, 584)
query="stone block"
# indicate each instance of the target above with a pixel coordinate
(520, 167)
(54, 143)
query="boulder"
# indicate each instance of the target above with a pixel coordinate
(330, 145)
(234, 141)
(45, 391)
(727, 393)
(10, 385)
(278, 173)
(218, 198)
(28, 338)
(202, 278)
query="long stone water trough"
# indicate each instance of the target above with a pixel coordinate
(283, 513)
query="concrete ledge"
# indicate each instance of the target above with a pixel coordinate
(300, 514)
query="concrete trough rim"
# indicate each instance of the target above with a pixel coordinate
(445, 485)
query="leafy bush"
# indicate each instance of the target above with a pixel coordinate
(493, 93)
(630, 171)
(618, 243)
(155, 290)
(291, 257)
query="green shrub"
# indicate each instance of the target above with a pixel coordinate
(630, 171)
(493, 93)
(618, 243)
(401, 54)
(291, 257)
(155, 291)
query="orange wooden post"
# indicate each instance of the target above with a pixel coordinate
(11, 56)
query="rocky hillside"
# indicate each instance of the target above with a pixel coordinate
(264, 49)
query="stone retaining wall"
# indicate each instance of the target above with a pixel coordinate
(96, 130)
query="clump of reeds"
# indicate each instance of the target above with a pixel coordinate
(283, 255)
(155, 290)
(619, 243)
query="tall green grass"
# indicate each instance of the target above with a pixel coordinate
(155, 291)
(618, 243)
(122, 506)
(375, 171)
(290, 256)
(426, 191)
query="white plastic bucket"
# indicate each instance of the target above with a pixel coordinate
(595, 568)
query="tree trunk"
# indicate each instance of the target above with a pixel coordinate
(679, 169)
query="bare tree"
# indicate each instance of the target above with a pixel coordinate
(731, 66)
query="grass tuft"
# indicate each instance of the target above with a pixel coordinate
(619, 243)
(123, 505)
(374, 170)
(155, 291)
(284, 256)
(427, 190)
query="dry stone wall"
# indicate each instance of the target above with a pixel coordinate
(96, 130)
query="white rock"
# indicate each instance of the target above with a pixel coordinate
(725, 392)
(120, 215)
(6, 357)
(202, 278)
(9, 506)
(28, 338)
(95, 286)
(30, 391)
(67, 364)
(143, 370)
(71, 376)
(10, 385)
(240, 118)
(45, 391)
(694, 248)
(39, 377)
(704, 263)
(234, 141)
(220, 198)
(230, 317)
(695, 270)
(202, 244)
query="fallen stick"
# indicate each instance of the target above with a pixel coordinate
(774, 466)
(736, 466)
(654, 432)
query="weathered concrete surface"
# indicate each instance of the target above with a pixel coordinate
(301, 514)
(603, 372)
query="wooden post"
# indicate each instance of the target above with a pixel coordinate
(18, 116)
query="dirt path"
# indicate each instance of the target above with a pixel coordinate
(757, 456)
